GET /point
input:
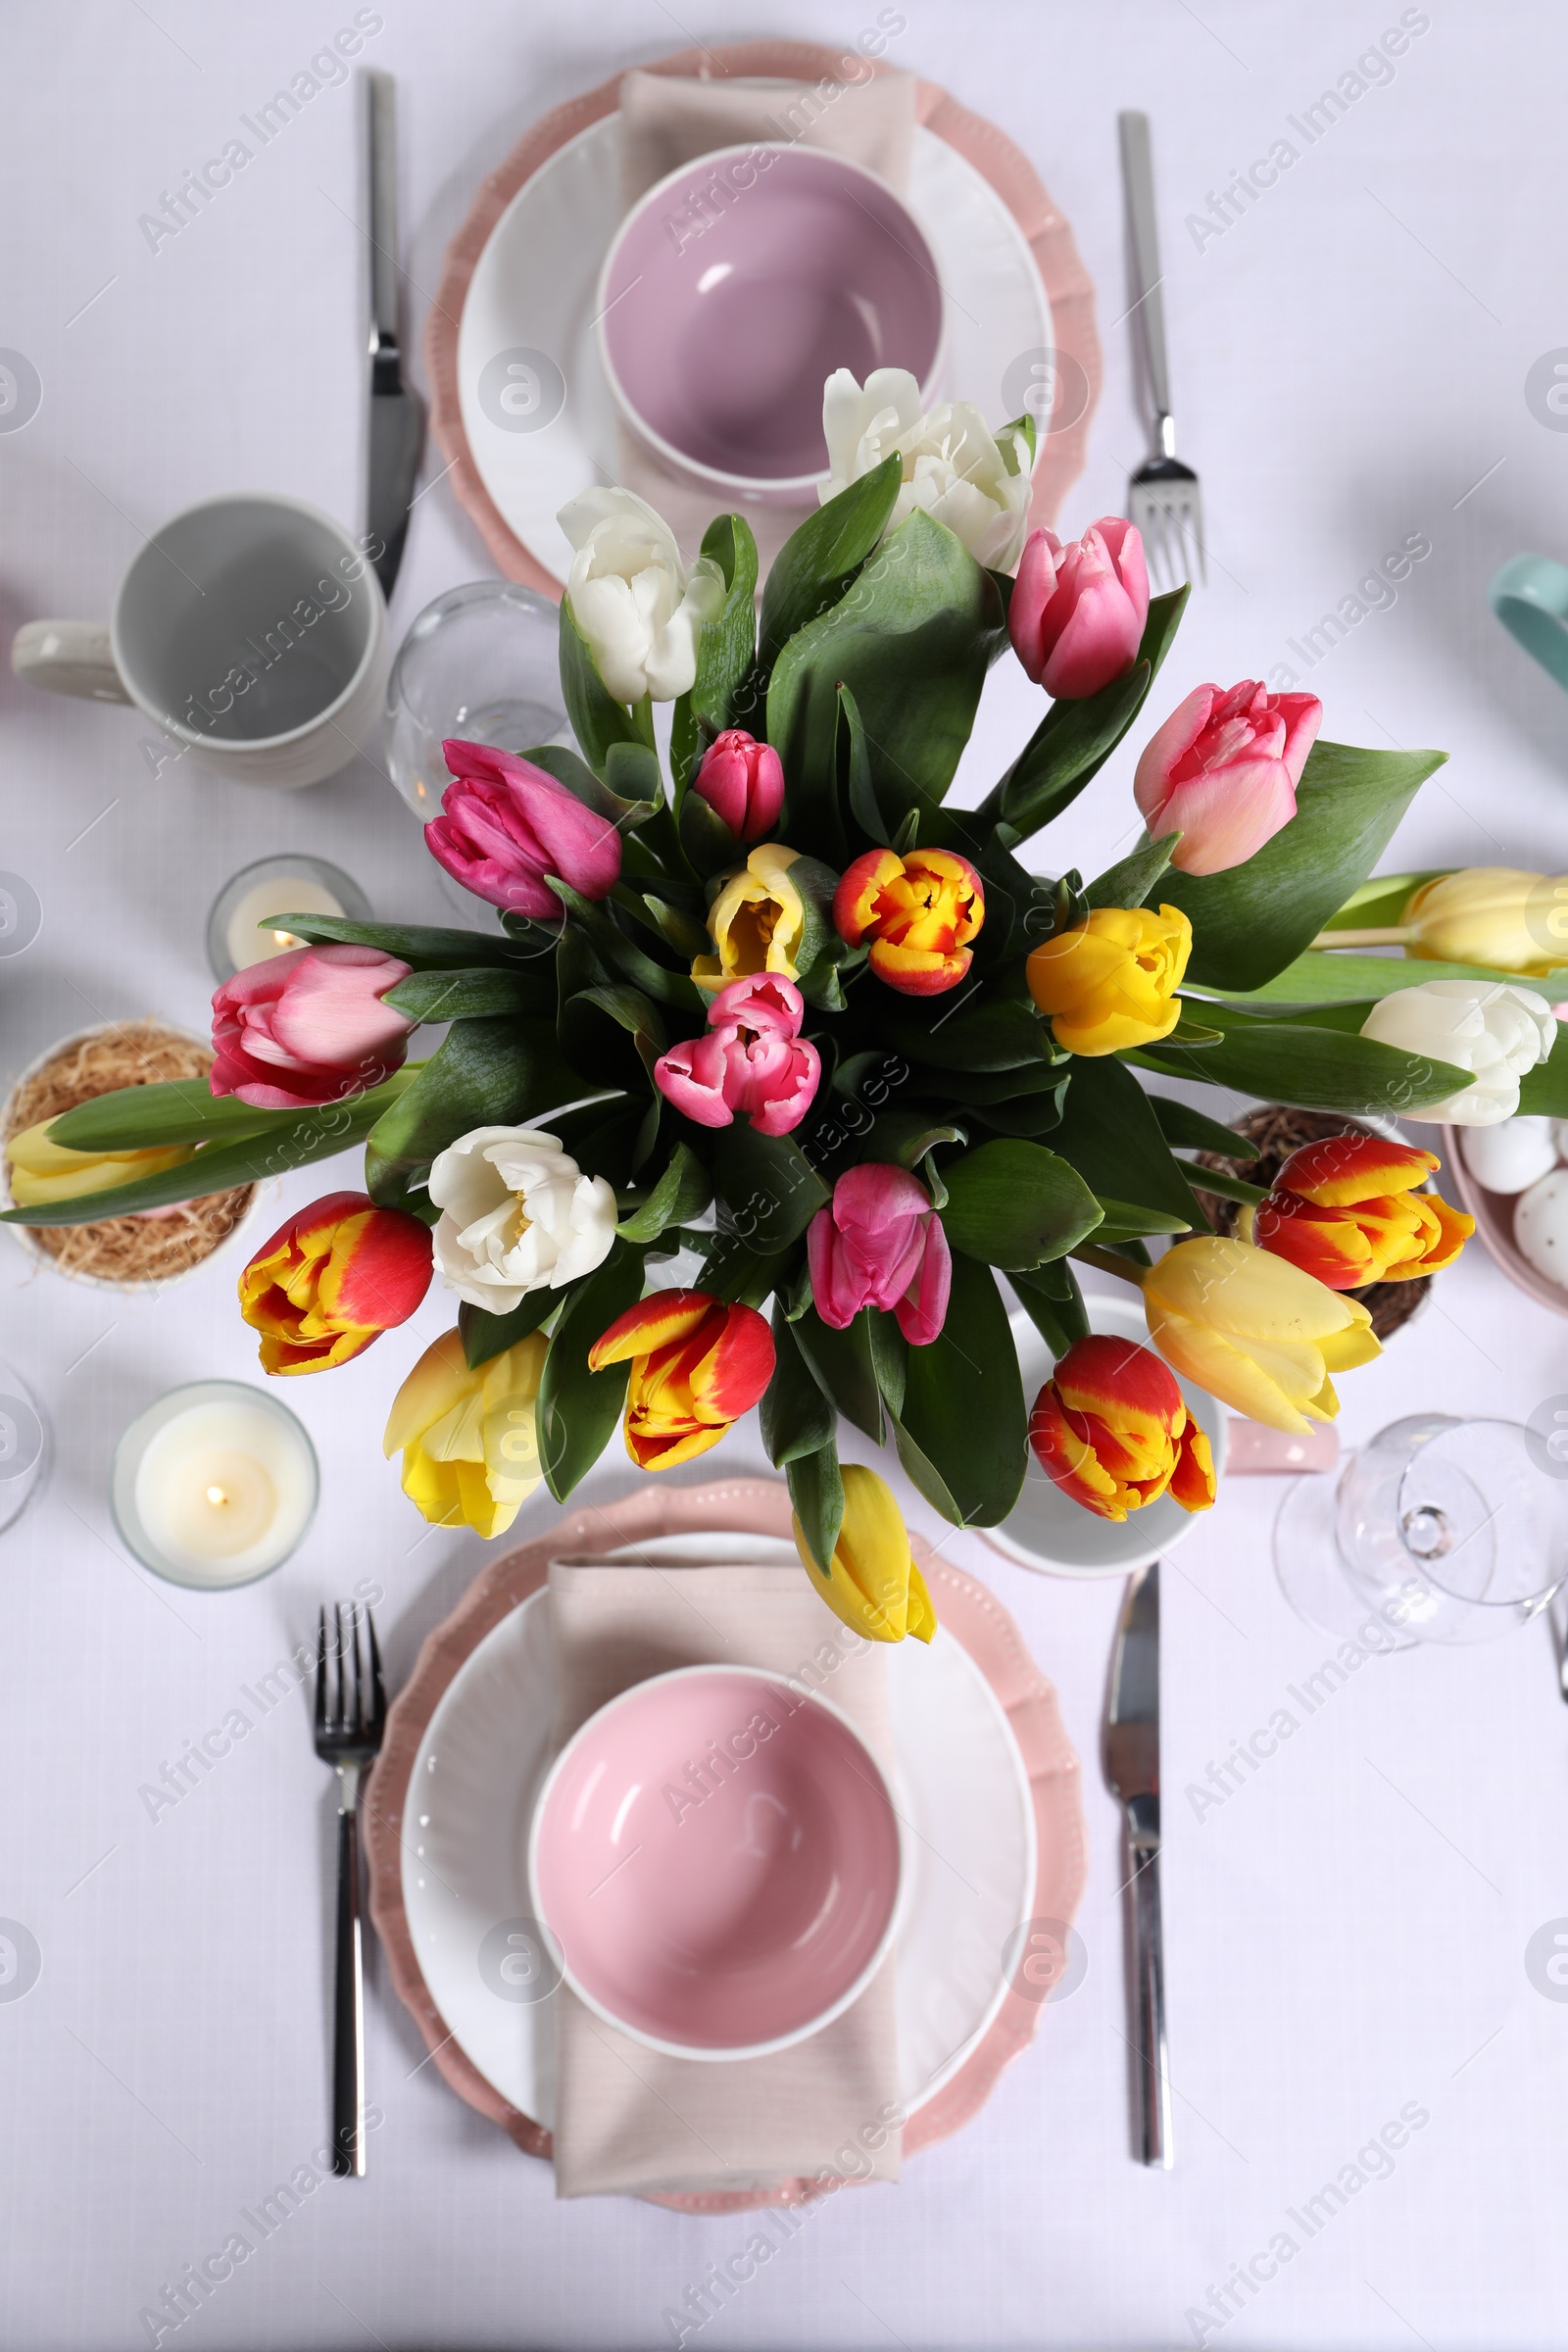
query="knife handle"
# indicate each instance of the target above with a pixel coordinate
(1151, 2055)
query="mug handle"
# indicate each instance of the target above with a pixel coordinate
(68, 657)
(1530, 597)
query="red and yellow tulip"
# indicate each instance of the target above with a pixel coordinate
(872, 1581)
(1111, 1429)
(331, 1280)
(1347, 1211)
(697, 1364)
(919, 912)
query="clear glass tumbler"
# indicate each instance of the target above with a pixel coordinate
(1440, 1530)
(481, 662)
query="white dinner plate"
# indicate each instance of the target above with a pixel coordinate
(532, 292)
(959, 1778)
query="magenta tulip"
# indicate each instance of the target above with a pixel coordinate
(1222, 772)
(879, 1242)
(1077, 614)
(307, 1027)
(753, 1059)
(505, 826)
(742, 781)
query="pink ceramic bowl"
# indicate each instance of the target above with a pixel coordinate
(733, 289)
(1493, 1216)
(715, 1861)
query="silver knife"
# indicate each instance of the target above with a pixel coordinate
(397, 419)
(1132, 1768)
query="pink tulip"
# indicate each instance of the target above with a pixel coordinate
(307, 1027)
(742, 781)
(879, 1242)
(753, 1059)
(1223, 771)
(1077, 614)
(506, 825)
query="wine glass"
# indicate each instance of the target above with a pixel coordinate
(1440, 1530)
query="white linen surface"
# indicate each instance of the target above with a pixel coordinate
(1345, 1932)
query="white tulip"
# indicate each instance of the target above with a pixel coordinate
(1499, 1032)
(975, 481)
(517, 1215)
(640, 610)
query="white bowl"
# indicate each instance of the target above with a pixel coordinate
(1045, 1529)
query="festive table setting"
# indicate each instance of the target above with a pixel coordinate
(785, 1146)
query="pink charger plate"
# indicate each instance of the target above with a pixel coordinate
(1071, 294)
(747, 1506)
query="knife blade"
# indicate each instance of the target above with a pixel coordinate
(396, 436)
(1132, 1771)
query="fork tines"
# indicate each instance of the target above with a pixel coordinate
(350, 1703)
(1165, 506)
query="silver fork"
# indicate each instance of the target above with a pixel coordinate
(350, 1717)
(1163, 498)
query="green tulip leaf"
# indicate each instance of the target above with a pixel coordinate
(622, 955)
(578, 1410)
(1014, 1204)
(1132, 879)
(844, 1366)
(977, 1031)
(299, 1137)
(428, 948)
(726, 652)
(964, 1405)
(769, 1186)
(1316, 1068)
(856, 767)
(1124, 1221)
(1254, 919)
(1112, 1137)
(912, 641)
(1053, 1301)
(684, 1191)
(1544, 1090)
(484, 1335)
(1180, 1123)
(821, 556)
(151, 1118)
(1338, 976)
(796, 1415)
(475, 995)
(499, 1072)
(816, 1496)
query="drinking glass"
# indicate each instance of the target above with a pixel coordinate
(1440, 1530)
(23, 1445)
(481, 662)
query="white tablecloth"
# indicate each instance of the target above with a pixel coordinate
(1346, 1931)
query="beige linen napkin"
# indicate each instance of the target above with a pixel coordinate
(667, 119)
(629, 2120)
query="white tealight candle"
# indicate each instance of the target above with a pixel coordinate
(250, 939)
(215, 1485)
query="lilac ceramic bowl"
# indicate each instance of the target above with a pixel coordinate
(733, 289)
(715, 1861)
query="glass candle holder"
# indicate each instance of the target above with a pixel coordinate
(237, 932)
(214, 1485)
(482, 662)
(23, 1445)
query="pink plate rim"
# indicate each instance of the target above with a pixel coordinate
(758, 1506)
(1047, 231)
(1493, 1213)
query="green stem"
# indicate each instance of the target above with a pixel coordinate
(642, 714)
(1392, 935)
(1110, 1263)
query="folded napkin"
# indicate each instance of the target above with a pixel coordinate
(629, 2120)
(667, 119)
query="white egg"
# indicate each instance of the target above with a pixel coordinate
(1512, 1155)
(1540, 1226)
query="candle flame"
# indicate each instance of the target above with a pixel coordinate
(285, 939)
(217, 1497)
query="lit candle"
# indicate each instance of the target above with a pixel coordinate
(250, 939)
(213, 1485)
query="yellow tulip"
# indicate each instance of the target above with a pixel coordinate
(42, 1171)
(1494, 915)
(874, 1583)
(1111, 981)
(1255, 1331)
(757, 921)
(468, 1440)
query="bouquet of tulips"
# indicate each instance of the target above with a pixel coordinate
(779, 1007)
